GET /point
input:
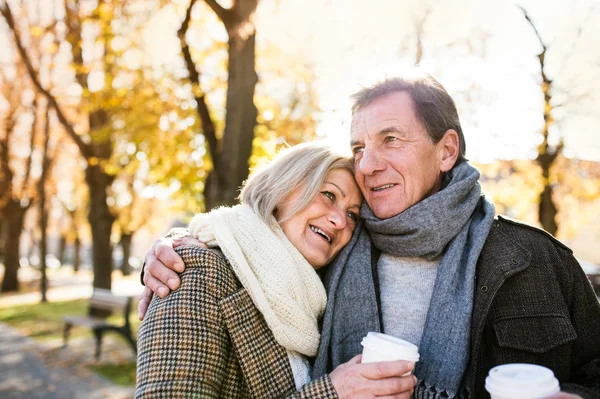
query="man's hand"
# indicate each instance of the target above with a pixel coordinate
(387, 379)
(161, 265)
(564, 395)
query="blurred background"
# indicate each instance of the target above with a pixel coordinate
(120, 119)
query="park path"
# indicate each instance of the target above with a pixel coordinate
(29, 369)
(33, 369)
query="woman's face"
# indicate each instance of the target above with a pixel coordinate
(322, 229)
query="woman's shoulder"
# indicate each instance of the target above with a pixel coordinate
(207, 266)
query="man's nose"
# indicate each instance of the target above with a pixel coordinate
(370, 163)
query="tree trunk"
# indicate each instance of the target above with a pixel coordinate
(546, 155)
(14, 218)
(43, 241)
(548, 211)
(101, 221)
(223, 183)
(44, 211)
(76, 251)
(126, 246)
(62, 247)
(2, 237)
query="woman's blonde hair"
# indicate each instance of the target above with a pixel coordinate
(303, 166)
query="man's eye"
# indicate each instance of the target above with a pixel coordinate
(357, 150)
(329, 195)
(390, 139)
(353, 216)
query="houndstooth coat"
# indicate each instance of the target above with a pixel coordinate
(208, 340)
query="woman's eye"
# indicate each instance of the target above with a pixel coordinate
(329, 195)
(353, 216)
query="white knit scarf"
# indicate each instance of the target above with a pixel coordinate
(282, 284)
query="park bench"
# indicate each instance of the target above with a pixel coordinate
(107, 303)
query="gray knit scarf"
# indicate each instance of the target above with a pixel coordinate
(453, 223)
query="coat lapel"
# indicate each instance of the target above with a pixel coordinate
(501, 258)
(264, 363)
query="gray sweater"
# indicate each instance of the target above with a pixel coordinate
(406, 285)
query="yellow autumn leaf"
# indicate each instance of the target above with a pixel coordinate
(36, 31)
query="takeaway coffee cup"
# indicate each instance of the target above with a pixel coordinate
(378, 347)
(521, 381)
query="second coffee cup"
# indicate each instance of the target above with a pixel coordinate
(521, 381)
(378, 347)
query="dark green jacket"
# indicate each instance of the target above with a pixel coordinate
(533, 304)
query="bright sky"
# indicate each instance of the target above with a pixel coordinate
(482, 51)
(480, 44)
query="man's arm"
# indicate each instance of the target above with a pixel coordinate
(585, 316)
(161, 265)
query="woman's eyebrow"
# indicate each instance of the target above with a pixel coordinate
(338, 187)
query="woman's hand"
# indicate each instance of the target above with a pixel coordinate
(387, 379)
(161, 264)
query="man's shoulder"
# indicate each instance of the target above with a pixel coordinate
(526, 233)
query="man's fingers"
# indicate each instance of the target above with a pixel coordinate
(156, 286)
(160, 271)
(377, 371)
(187, 240)
(164, 252)
(144, 302)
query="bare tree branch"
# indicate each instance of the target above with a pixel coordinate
(34, 129)
(208, 126)
(34, 76)
(221, 12)
(537, 34)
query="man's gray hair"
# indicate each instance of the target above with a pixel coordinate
(432, 105)
(303, 166)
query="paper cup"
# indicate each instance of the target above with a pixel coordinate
(521, 381)
(378, 347)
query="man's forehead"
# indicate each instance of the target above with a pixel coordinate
(376, 119)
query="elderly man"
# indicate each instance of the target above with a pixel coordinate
(432, 264)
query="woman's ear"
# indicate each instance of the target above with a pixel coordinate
(448, 148)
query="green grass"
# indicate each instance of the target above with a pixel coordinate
(122, 374)
(44, 321)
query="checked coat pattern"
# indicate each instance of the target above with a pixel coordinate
(208, 340)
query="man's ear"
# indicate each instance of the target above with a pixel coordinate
(448, 148)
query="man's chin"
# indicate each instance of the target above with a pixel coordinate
(386, 212)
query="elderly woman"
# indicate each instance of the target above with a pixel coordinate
(245, 319)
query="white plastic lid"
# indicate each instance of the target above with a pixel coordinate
(521, 381)
(387, 344)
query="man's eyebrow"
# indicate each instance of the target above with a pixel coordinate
(389, 129)
(385, 130)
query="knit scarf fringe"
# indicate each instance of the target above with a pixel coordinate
(424, 391)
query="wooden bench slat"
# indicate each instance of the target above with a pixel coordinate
(103, 299)
(85, 321)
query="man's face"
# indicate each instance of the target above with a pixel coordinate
(396, 163)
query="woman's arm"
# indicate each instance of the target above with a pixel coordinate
(183, 346)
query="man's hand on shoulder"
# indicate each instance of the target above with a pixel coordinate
(161, 266)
